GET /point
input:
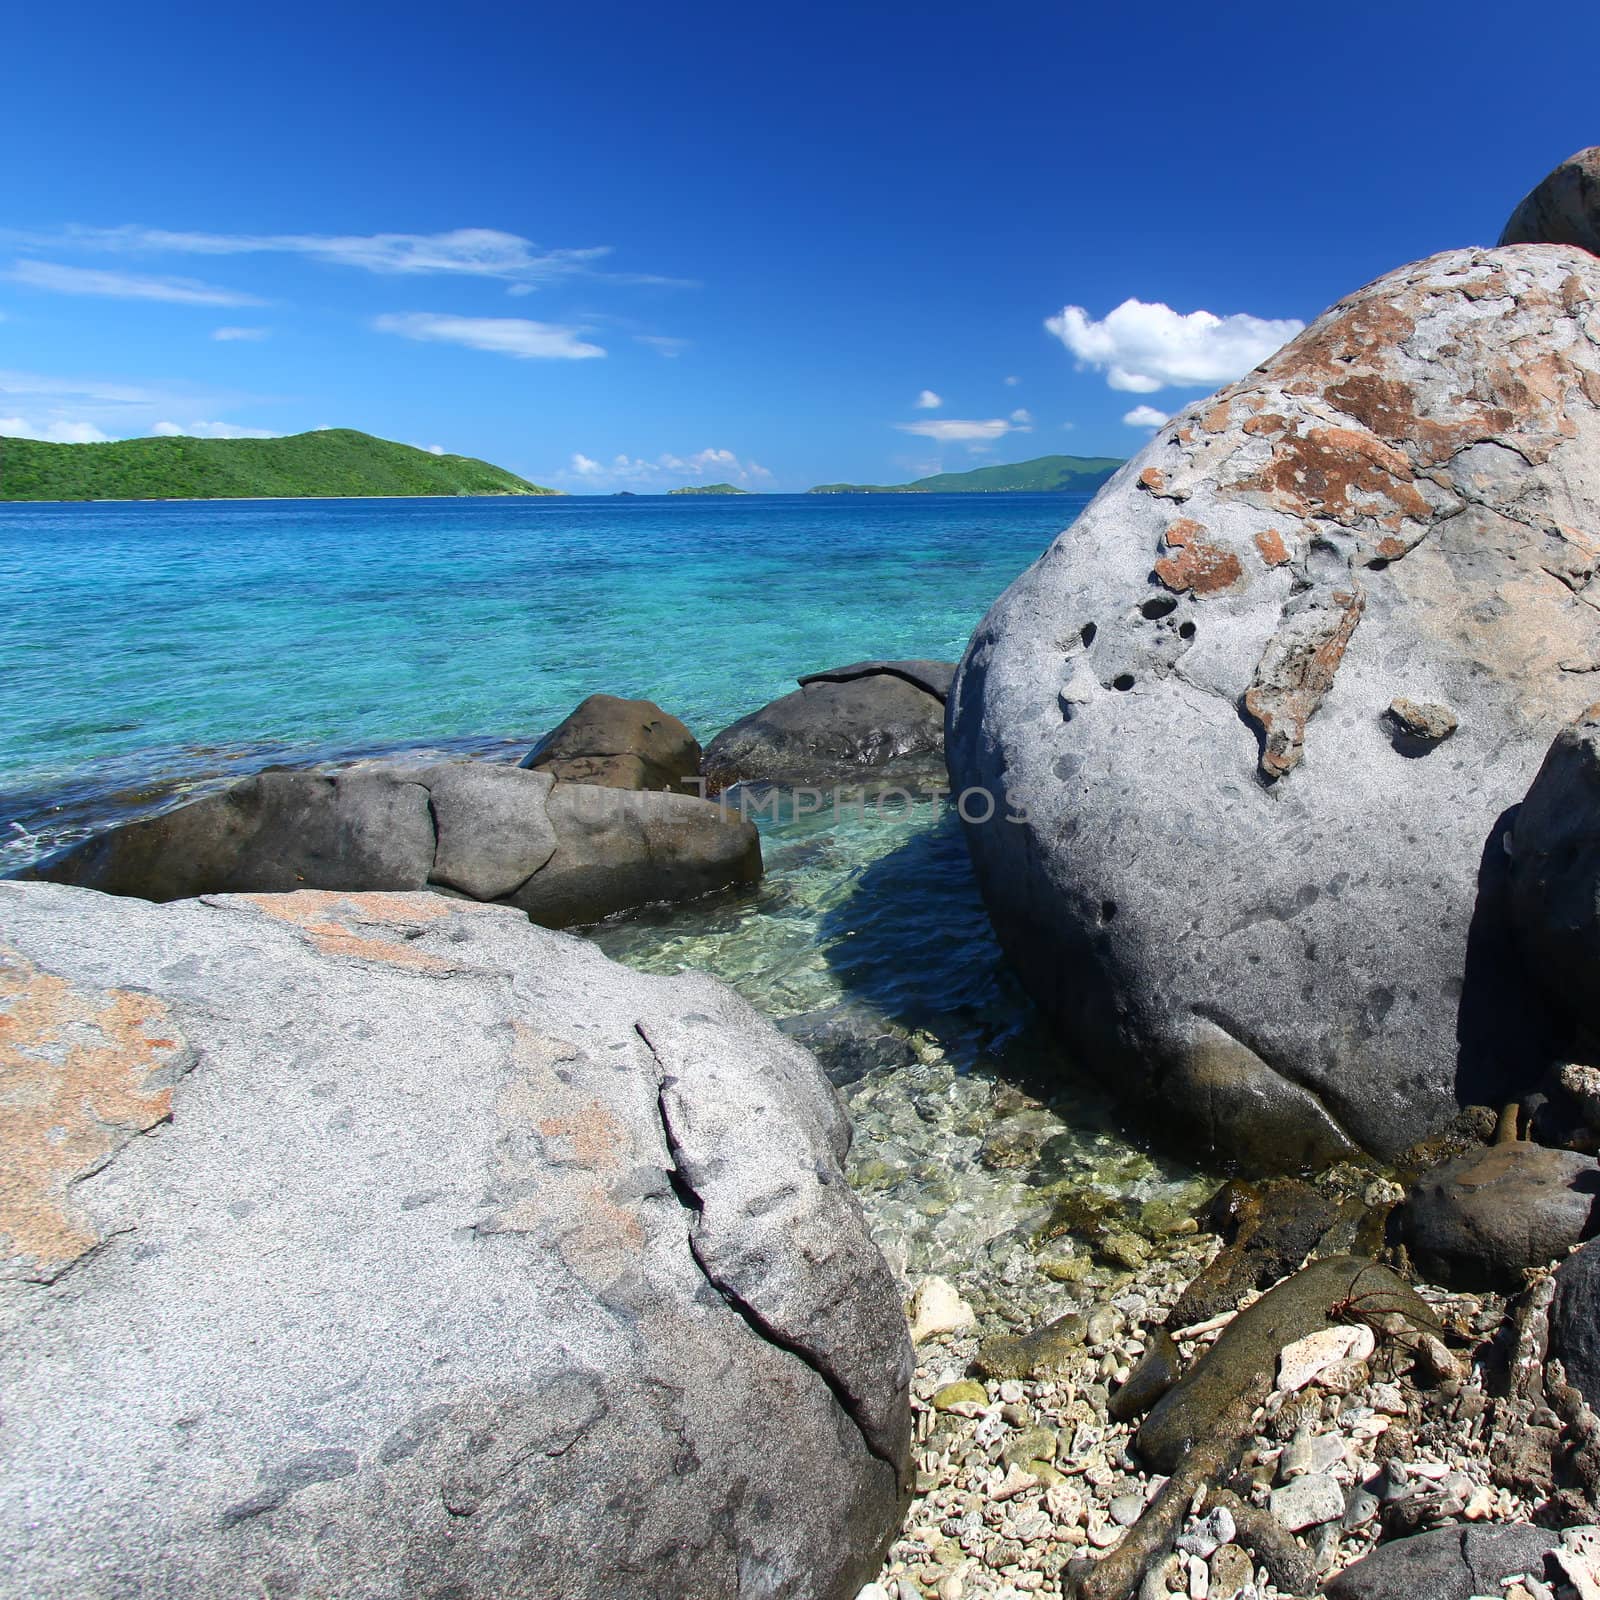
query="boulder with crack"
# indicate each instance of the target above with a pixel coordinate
(383, 1244)
(1273, 924)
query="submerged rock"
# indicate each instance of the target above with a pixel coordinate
(1564, 208)
(385, 1244)
(1279, 935)
(1481, 1221)
(620, 744)
(873, 719)
(565, 853)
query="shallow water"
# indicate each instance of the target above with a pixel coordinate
(154, 651)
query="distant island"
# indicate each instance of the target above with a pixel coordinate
(708, 488)
(1042, 475)
(335, 462)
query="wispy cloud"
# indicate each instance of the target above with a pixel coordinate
(231, 335)
(505, 336)
(52, 432)
(211, 430)
(78, 410)
(1143, 346)
(664, 471)
(663, 344)
(59, 279)
(1011, 382)
(1144, 417)
(973, 434)
(464, 252)
(927, 401)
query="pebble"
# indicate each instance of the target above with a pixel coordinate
(1126, 1509)
(1307, 1503)
(1209, 1534)
(966, 1398)
(937, 1308)
(1307, 1359)
(1231, 1572)
(1310, 1453)
(1101, 1327)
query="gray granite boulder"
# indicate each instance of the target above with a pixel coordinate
(1277, 933)
(872, 720)
(1555, 869)
(387, 1246)
(566, 853)
(1575, 1320)
(1564, 208)
(1479, 1222)
(1446, 1564)
(620, 744)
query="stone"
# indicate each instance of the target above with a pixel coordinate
(1313, 1454)
(1231, 1571)
(1581, 1084)
(1305, 1360)
(1480, 1221)
(620, 744)
(1445, 1564)
(1575, 1321)
(878, 720)
(381, 1244)
(966, 1397)
(1416, 728)
(1564, 208)
(936, 1308)
(1045, 1351)
(565, 853)
(1156, 1372)
(1274, 935)
(1307, 1502)
(1555, 868)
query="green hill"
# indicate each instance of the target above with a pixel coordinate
(333, 462)
(708, 488)
(1044, 474)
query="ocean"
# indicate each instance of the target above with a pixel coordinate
(153, 651)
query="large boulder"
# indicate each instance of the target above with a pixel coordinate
(1575, 1320)
(1564, 208)
(386, 1245)
(1257, 898)
(872, 720)
(1482, 1220)
(620, 744)
(1555, 868)
(1453, 1563)
(566, 853)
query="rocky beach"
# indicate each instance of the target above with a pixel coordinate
(1112, 1115)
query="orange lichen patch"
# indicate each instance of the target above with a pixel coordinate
(1573, 294)
(356, 923)
(1186, 434)
(592, 1137)
(1343, 474)
(1216, 419)
(78, 1079)
(1266, 422)
(1153, 479)
(1349, 335)
(1197, 567)
(1391, 549)
(1273, 550)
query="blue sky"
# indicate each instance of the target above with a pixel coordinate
(630, 246)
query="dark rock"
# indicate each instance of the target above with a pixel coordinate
(1555, 868)
(384, 1245)
(850, 1040)
(1044, 1352)
(872, 720)
(1447, 1564)
(565, 853)
(1481, 1221)
(1239, 1369)
(1564, 208)
(1273, 934)
(620, 744)
(1575, 1321)
(1155, 1374)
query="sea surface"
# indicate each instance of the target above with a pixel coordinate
(154, 651)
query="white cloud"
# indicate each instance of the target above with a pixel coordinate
(1142, 347)
(928, 401)
(1144, 417)
(664, 471)
(971, 433)
(662, 344)
(465, 252)
(506, 336)
(52, 432)
(211, 430)
(230, 335)
(125, 285)
(1011, 383)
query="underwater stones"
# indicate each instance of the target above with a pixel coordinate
(620, 744)
(870, 720)
(565, 853)
(1563, 208)
(1266, 925)
(409, 1249)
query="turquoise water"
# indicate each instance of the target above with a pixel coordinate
(156, 645)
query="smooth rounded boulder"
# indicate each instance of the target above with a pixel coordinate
(620, 744)
(566, 853)
(1575, 1320)
(384, 1245)
(871, 720)
(1564, 208)
(1278, 930)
